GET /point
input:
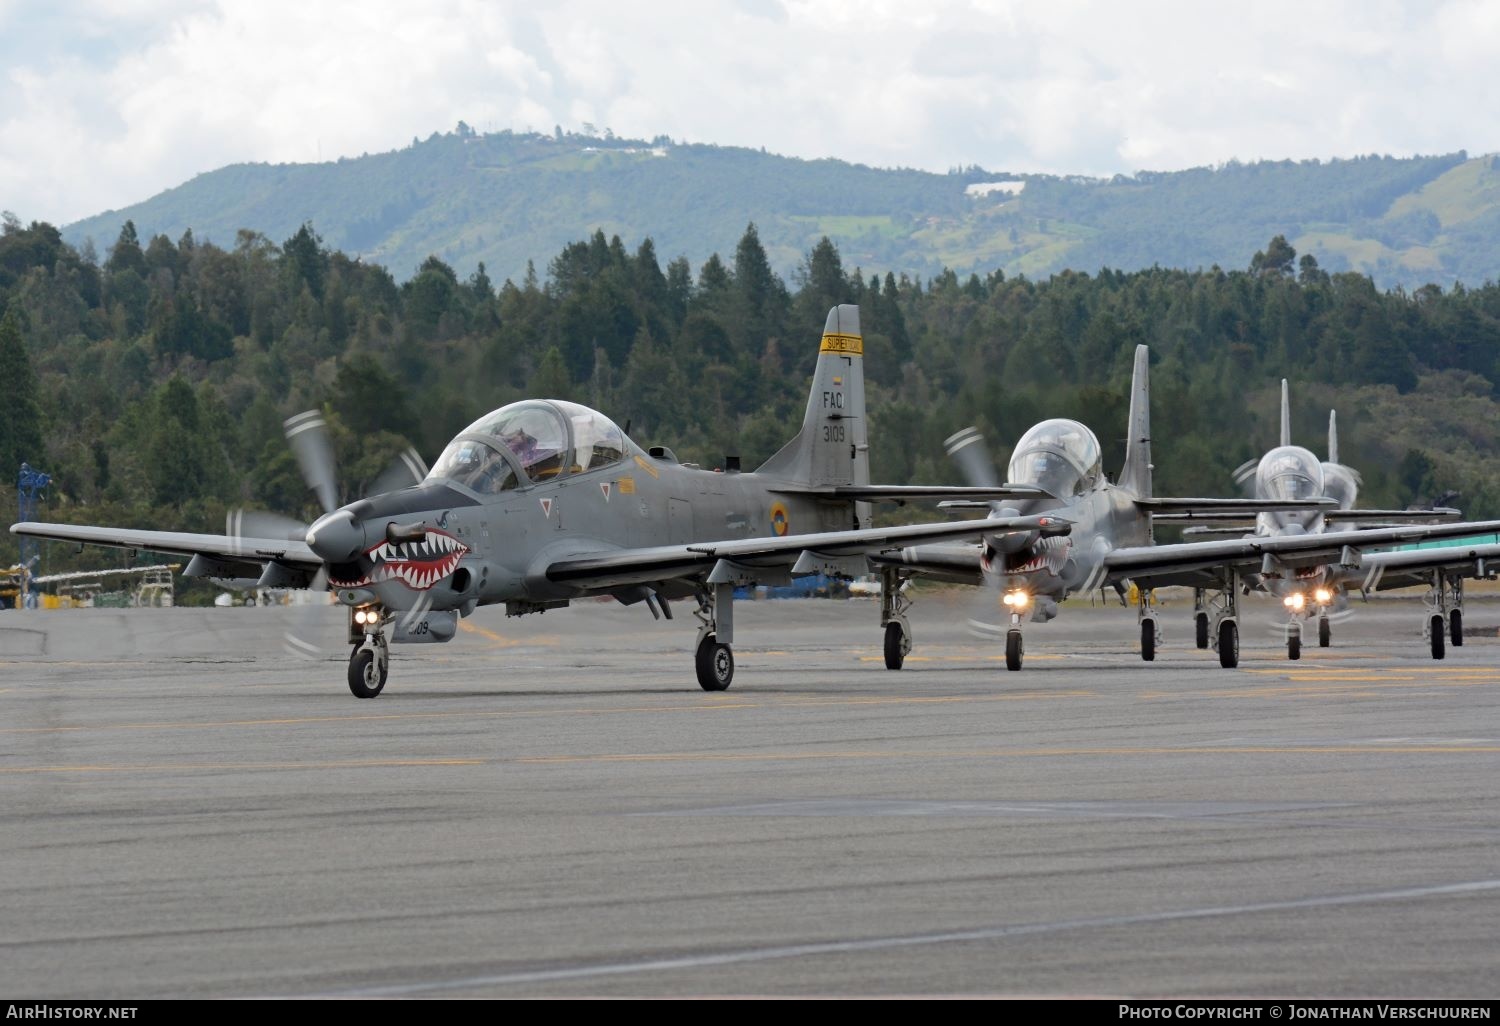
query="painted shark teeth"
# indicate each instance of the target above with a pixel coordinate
(418, 564)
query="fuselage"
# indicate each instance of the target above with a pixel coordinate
(496, 512)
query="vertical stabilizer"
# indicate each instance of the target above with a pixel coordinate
(1333, 436)
(1286, 415)
(833, 446)
(1137, 473)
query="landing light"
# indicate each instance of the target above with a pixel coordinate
(1324, 596)
(1017, 599)
(363, 616)
(1294, 601)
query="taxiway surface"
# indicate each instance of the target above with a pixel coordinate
(551, 806)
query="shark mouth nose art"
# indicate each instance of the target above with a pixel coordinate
(1048, 554)
(417, 564)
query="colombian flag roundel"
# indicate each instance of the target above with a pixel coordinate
(779, 522)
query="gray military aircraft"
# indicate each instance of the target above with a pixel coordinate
(543, 501)
(1310, 592)
(1112, 537)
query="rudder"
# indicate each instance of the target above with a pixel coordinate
(1136, 476)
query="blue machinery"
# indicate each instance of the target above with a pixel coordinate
(28, 485)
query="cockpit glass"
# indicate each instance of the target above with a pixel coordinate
(475, 465)
(597, 442)
(533, 432)
(1290, 473)
(1061, 456)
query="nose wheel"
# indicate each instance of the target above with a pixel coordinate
(1014, 650)
(369, 665)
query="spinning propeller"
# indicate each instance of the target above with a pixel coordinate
(1020, 551)
(333, 537)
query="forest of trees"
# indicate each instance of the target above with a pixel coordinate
(151, 383)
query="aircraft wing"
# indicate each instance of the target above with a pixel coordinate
(1196, 563)
(976, 496)
(1229, 508)
(244, 552)
(622, 567)
(1350, 517)
(1386, 570)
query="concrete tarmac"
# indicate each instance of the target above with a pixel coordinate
(551, 806)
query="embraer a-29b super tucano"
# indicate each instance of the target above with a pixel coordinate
(1111, 540)
(543, 501)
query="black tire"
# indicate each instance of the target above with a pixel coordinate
(1456, 628)
(1294, 646)
(895, 646)
(1325, 632)
(1200, 630)
(366, 677)
(1435, 628)
(1014, 649)
(1148, 640)
(715, 665)
(1229, 644)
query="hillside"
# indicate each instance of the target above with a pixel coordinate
(504, 199)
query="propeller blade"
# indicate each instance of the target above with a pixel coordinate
(305, 636)
(406, 469)
(307, 434)
(247, 526)
(970, 453)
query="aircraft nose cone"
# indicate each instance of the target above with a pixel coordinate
(337, 537)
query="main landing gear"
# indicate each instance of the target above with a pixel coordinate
(1145, 612)
(1444, 606)
(1200, 619)
(1219, 607)
(714, 659)
(370, 662)
(893, 607)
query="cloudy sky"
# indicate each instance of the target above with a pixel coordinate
(106, 102)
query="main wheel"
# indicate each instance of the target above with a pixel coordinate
(366, 675)
(1456, 628)
(897, 644)
(1229, 644)
(715, 664)
(1014, 649)
(1148, 640)
(1200, 630)
(1325, 632)
(1435, 629)
(1294, 646)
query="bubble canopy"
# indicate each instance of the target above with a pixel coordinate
(1290, 472)
(529, 442)
(1061, 456)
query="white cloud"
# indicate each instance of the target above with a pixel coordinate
(105, 103)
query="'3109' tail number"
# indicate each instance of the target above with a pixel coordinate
(833, 432)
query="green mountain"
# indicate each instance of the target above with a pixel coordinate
(505, 199)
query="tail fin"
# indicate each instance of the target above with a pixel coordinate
(1136, 476)
(1286, 415)
(833, 446)
(1333, 436)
